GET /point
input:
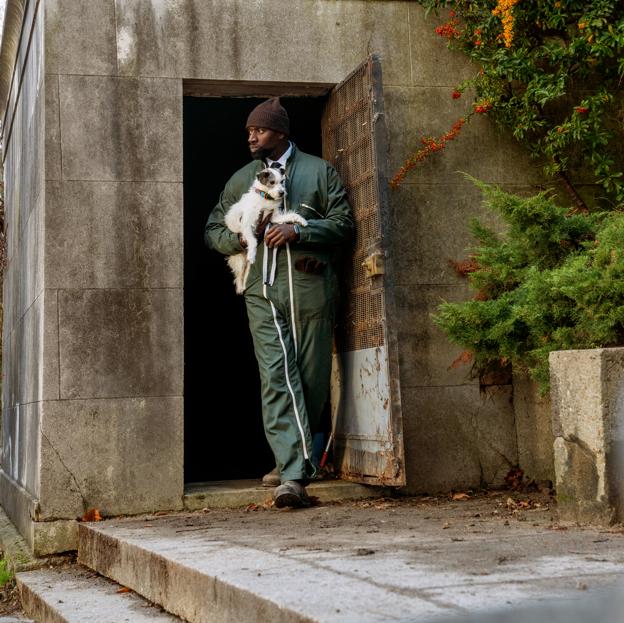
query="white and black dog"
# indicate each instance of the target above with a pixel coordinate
(265, 196)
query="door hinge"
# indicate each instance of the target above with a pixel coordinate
(374, 264)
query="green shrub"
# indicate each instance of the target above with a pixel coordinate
(5, 573)
(553, 281)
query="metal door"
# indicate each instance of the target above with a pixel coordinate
(368, 443)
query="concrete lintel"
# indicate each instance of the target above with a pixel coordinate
(247, 88)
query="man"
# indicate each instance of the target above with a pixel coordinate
(291, 292)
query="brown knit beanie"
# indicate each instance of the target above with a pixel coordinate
(270, 114)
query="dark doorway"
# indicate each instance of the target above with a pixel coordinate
(223, 434)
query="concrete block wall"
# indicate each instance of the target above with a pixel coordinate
(112, 428)
(25, 304)
(109, 360)
(455, 436)
(534, 427)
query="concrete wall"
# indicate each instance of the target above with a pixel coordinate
(108, 309)
(455, 436)
(26, 305)
(534, 429)
(112, 428)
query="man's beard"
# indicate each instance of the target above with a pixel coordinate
(261, 154)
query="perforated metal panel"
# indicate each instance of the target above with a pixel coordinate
(365, 378)
(348, 145)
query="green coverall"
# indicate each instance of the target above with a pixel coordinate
(294, 359)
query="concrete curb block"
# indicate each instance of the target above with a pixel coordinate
(587, 388)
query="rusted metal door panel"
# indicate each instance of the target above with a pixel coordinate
(365, 381)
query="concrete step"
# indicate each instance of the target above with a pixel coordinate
(76, 594)
(194, 578)
(237, 493)
(194, 570)
(364, 562)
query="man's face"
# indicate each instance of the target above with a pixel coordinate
(263, 142)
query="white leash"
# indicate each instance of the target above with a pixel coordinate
(265, 256)
(291, 292)
(270, 280)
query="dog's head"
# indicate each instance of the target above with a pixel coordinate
(271, 181)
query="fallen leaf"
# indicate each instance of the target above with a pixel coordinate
(464, 267)
(460, 496)
(514, 477)
(93, 514)
(462, 359)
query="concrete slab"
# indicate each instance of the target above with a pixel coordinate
(198, 39)
(464, 438)
(121, 343)
(237, 493)
(93, 459)
(107, 128)
(80, 38)
(75, 595)
(381, 560)
(141, 241)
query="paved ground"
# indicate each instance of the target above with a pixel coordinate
(416, 559)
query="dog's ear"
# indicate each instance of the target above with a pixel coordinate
(263, 177)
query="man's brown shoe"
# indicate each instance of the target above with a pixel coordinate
(291, 494)
(272, 479)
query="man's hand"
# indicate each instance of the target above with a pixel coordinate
(279, 235)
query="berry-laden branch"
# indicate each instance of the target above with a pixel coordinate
(430, 146)
(552, 73)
